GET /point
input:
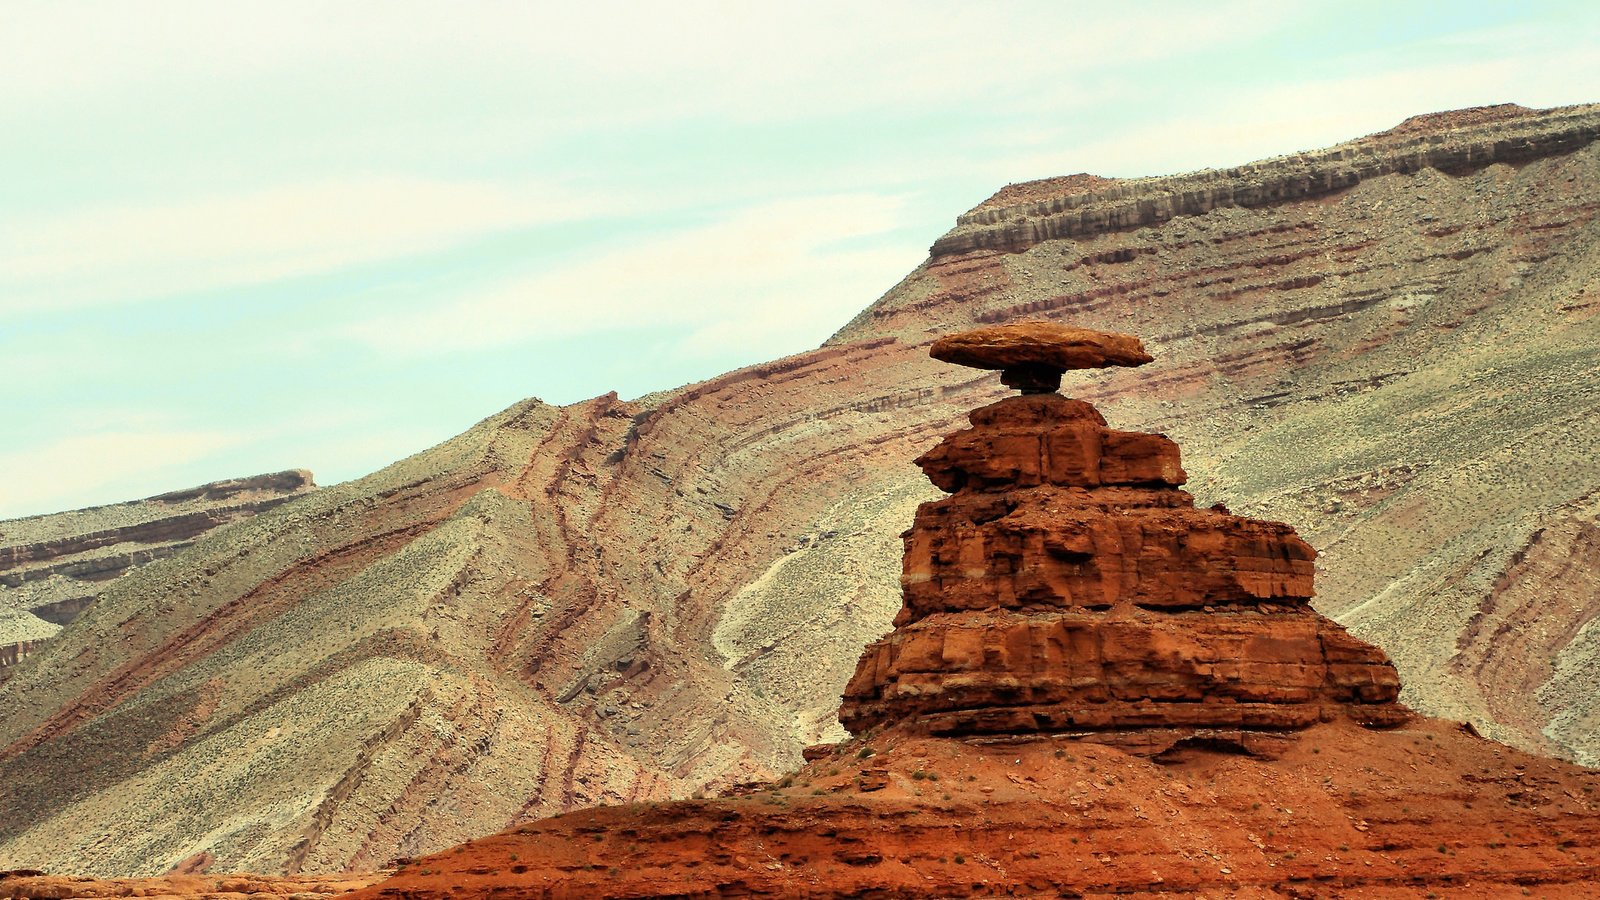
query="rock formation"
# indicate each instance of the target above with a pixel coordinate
(628, 599)
(53, 566)
(1509, 134)
(1061, 709)
(1069, 586)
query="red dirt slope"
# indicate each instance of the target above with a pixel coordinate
(1347, 812)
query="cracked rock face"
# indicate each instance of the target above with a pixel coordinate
(1067, 585)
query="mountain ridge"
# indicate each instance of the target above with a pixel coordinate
(53, 566)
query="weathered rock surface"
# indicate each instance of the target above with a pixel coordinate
(53, 566)
(1039, 344)
(1068, 585)
(1345, 813)
(1034, 355)
(625, 600)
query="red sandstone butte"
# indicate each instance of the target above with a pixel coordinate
(1068, 585)
(1094, 690)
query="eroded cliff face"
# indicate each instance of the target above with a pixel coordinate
(623, 600)
(1068, 586)
(53, 566)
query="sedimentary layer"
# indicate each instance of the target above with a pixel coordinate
(53, 566)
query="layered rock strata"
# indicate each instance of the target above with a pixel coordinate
(1346, 814)
(1514, 135)
(53, 566)
(1069, 586)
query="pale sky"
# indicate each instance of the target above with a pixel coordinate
(239, 237)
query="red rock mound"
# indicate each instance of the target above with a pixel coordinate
(1345, 813)
(29, 885)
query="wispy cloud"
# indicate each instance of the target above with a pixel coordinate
(789, 266)
(131, 253)
(1316, 111)
(611, 61)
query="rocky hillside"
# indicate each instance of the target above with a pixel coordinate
(624, 600)
(53, 566)
(1093, 689)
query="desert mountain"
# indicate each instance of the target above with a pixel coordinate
(53, 566)
(1390, 344)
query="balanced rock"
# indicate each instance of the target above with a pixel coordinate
(1069, 586)
(1033, 355)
